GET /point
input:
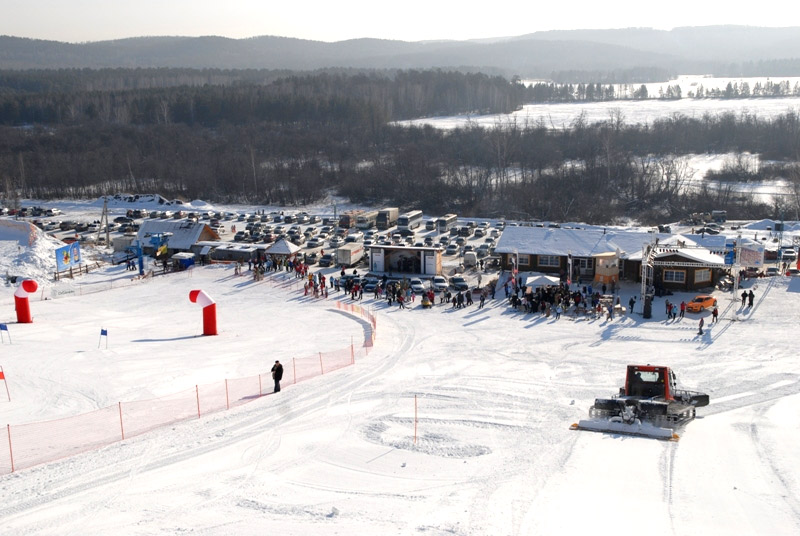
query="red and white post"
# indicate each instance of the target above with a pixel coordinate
(26, 288)
(209, 310)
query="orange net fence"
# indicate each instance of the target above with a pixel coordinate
(26, 445)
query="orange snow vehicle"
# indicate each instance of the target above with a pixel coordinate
(649, 405)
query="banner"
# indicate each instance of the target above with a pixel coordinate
(751, 255)
(68, 256)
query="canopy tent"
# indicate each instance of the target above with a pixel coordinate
(541, 280)
(282, 247)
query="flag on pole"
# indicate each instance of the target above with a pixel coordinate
(103, 333)
(3, 377)
(3, 327)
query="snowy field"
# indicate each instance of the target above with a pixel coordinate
(558, 116)
(495, 392)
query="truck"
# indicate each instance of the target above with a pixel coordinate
(349, 254)
(387, 217)
(348, 219)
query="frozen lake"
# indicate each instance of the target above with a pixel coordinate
(634, 112)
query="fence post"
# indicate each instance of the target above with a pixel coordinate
(10, 450)
(321, 370)
(415, 419)
(121, 429)
(227, 400)
(197, 390)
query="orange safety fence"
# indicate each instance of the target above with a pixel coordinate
(26, 445)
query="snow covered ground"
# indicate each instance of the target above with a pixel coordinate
(634, 112)
(495, 392)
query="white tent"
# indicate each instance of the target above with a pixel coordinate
(283, 247)
(541, 280)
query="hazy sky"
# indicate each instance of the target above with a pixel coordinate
(410, 20)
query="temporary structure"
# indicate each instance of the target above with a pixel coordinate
(606, 268)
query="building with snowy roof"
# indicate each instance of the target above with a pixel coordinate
(606, 255)
(181, 235)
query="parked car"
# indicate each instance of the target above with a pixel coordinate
(417, 285)
(701, 303)
(772, 271)
(459, 283)
(315, 243)
(370, 283)
(479, 232)
(326, 260)
(439, 283)
(123, 219)
(452, 249)
(241, 236)
(336, 241)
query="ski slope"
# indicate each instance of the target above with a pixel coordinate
(495, 393)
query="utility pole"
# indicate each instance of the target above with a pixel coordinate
(104, 223)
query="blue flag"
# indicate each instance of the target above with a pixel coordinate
(103, 332)
(3, 327)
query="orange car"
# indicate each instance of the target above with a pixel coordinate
(701, 303)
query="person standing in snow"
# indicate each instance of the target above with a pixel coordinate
(714, 315)
(750, 297)
(700, 330)
(744, 297)
(683, 308)
(631, 304)
(277, 374)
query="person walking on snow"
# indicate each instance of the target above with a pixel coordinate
(744, 297)
(277, 374)
(700, 331)
(714, 315)
(683, 308)
(750, 297)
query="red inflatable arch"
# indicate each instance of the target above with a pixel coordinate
(21, 302)
(209, 310)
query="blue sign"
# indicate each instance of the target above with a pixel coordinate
(68, 256)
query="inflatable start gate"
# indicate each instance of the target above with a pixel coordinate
(209, 311)
(27, 287)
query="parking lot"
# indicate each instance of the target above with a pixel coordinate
(463, 245)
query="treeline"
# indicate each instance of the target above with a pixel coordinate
(304, 98)
(599, 173)
(542, 92)
(297, 139)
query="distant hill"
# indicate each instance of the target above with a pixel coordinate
(687, 49)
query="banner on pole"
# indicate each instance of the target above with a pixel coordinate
(3, 327)
(103, 332)
(68, 256)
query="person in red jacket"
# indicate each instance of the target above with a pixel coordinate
(683, 308)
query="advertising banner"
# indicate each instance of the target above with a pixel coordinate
(68, 256)
(752, 255)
